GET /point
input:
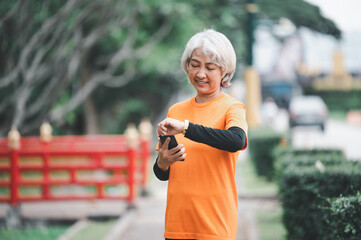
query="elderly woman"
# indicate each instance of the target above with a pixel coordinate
(210, 129)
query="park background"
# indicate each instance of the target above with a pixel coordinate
(93, 67)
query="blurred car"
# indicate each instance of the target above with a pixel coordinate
(269, 111)
(307, 111)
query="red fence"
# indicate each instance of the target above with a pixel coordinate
(72, 168)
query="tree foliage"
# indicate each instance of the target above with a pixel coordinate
(74, 61)
(63, 50)
(301, 13)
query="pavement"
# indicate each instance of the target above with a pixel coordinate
(68, 210)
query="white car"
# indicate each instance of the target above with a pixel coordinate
(307, 111)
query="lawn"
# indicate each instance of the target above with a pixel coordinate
(253, 185)
(270, 225)
(94, 230)
(33, 233)
(269, 222)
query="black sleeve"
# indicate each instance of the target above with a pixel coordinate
(231, 140)
(159, 173)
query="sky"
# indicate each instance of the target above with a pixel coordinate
(346, 13)
(317, 50)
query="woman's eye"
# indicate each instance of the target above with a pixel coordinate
(210, 69)
(194, 66)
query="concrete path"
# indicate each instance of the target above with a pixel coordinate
(148, 220)
(68, 210)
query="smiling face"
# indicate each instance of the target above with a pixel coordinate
(205, 76)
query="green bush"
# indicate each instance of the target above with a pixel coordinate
(303, 189)
(289, 157)
(309, 152)
(350, 99)
(343, 218)
(261, 144)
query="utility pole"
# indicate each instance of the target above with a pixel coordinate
(253, 93)
(251, 9)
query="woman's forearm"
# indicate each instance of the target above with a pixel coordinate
(159, 173)
(231, 140)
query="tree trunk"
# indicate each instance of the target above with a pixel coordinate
(91, 120)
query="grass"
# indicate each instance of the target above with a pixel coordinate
(94, 230)
(337, 115)
(269, 222)
(270, 225)
(254, 185)
(33, 233)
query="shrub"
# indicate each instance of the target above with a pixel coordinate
(350, 99)
(304, 189)
(262, 142)
(310, 152)
(343, 217)
(288, 157)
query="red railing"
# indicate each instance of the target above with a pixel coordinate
(72, 168)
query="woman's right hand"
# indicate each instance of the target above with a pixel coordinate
(167, 157)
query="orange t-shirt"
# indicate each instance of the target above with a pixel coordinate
(202, 201)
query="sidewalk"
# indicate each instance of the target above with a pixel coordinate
(148, 220)
(68, 210)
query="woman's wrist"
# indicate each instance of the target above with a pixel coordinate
(163, 168)
(185, 128)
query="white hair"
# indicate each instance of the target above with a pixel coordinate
(218, 47)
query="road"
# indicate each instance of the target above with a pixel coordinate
(338, 134)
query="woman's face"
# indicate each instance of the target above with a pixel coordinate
(204, 75)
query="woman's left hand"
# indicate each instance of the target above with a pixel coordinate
(170, 126)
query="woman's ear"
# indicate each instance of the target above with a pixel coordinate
(225, 75)
(224, 78)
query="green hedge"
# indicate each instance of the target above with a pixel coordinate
(289, 157)
(343, 218)
(304, 188)
(338, 100)
(261, 145)
(309, 152)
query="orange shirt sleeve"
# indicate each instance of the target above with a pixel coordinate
(236, 117)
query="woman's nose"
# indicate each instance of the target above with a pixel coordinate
(201, 73)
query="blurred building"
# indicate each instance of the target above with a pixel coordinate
(304, 46)
(286, 57)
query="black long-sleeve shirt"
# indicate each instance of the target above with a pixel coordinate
(231, 140)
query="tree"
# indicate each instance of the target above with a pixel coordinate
(53, 50)
(76, 61)
(301, 13)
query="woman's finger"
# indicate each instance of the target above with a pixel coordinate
(166, 143)
(181, 157)
(161, 129)
(176, 149)
(160, 144)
